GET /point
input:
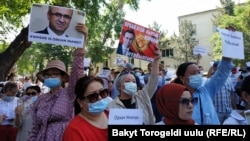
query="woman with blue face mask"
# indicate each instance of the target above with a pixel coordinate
(53, 110)
(91, 120)
(8, 104)
(132, 98)
(23, 119)
(188, 75)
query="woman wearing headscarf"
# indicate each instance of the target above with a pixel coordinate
(175, 104)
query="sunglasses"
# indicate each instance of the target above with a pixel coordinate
(186, 101)
(93, 97)
(31, 94)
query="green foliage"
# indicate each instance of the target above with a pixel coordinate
(164, 41)
(183, 44)
(103, 19)
(34, 58)
(241, 23)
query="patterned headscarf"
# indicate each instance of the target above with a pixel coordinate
(167, 102)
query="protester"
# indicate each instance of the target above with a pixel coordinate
(27, 82)
(128, 67)
(188, 75)
(8, 104)
(224, 98)
(175, 103)
(91, 121)
(237, 117)
(130, 98)
(23, 119)
(53, 111)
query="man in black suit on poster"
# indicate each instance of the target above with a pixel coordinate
(59, 21)
(128, 37)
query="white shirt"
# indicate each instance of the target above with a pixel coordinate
(235, 118)
(51, 32)
(8, 109)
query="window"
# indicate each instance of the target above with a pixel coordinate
(167, 52)
(132, 60)
(106, 63)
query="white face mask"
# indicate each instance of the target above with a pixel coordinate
(201, 72)
(130, 88)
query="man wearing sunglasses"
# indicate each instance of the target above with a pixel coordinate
(59, 20)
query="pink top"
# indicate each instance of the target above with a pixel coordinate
(52, 113)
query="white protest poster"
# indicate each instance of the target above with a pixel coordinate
(55, 25)
(119, 61)
(211, 63)
(104, 73)
(125, 117)
(248, 64)
(200, 50)
(232, 43)
(86, 62)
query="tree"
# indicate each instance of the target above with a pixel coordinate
(164, 40)
(102, 19)
(240, 22)
(185, 42)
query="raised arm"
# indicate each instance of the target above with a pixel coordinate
(77, 70)
(151, 86)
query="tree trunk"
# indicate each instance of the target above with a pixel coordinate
(10, 56)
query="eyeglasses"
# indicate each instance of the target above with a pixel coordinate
(186, 101)
(59, 15)
(51, 75)
(93, 97)
(31, 94)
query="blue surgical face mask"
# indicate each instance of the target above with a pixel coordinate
(8, 98)
(138, 74)
(195, 81)
(98, 106)
(34, 98)
(201, 72)
(52, 82)
(130, 88)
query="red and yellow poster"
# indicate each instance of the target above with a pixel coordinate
(137, 41)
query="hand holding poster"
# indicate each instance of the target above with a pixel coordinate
(55, 25)
(232, 43)
(137, 41)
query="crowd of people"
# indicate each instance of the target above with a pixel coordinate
(76, 106)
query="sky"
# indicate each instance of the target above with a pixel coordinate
(166, 12)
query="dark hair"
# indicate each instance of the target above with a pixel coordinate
(35, 87)
(245, 86)
(9, 85)
(106, 68)
(129, 31)
(81, 87)
(181, 72)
